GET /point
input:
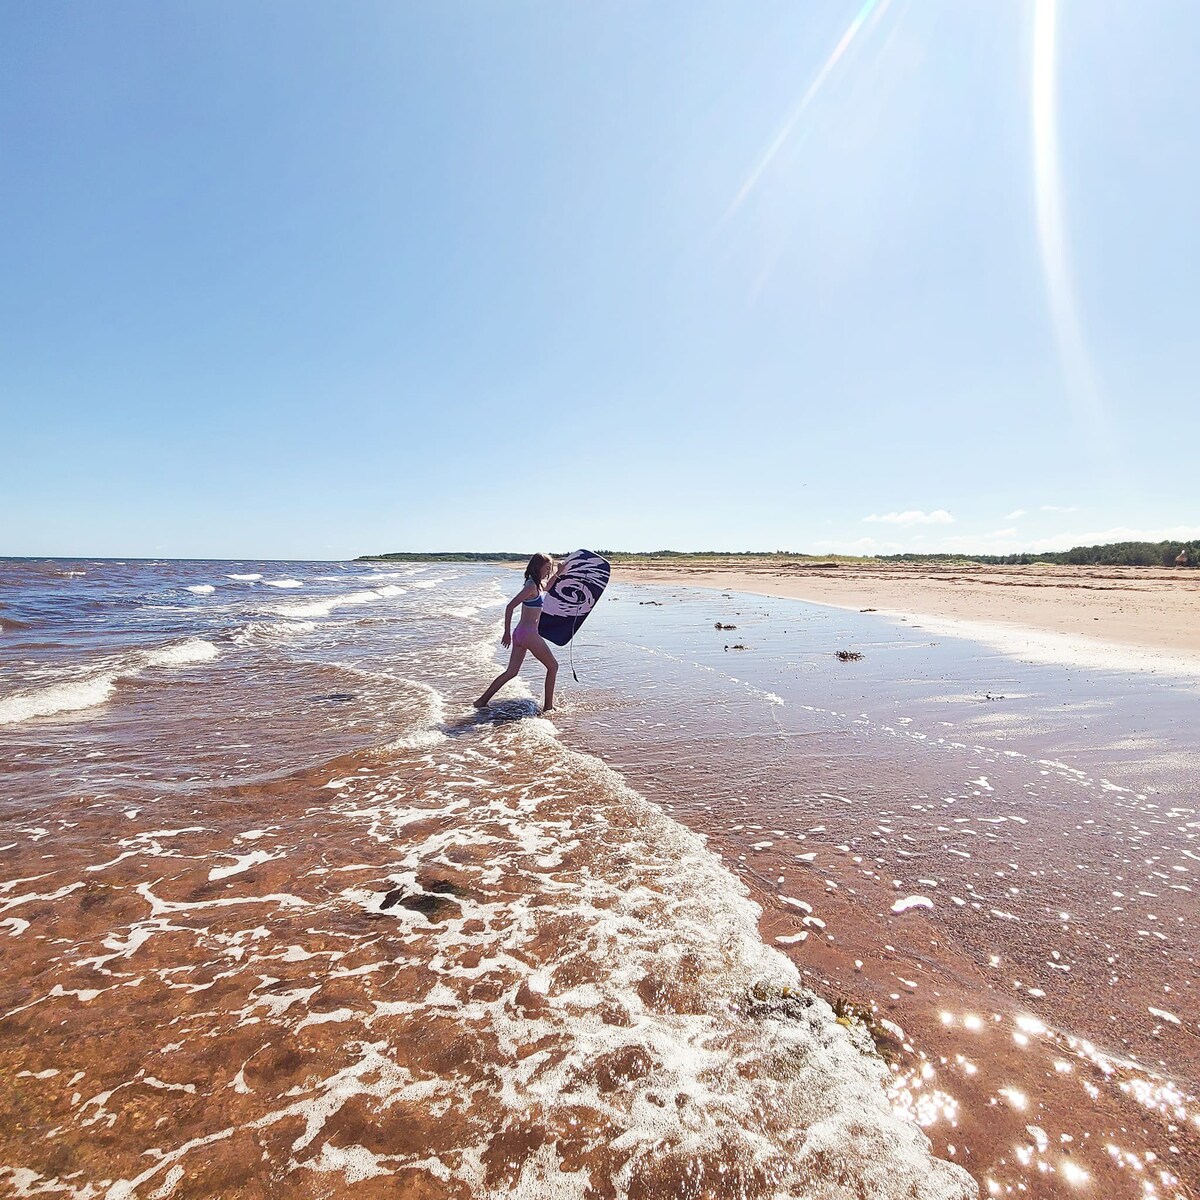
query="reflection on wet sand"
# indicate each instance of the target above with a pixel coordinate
(291, 916)
(481, 969)
(1021, 930)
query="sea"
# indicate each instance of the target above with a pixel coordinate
(781, 900)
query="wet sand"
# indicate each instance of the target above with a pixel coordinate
(286, 914)
(995, 860)
(1136, 607)
(281, 914)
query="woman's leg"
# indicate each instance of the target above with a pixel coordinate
(510, 672)
(544, 655)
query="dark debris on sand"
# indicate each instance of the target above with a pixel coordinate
(436, 903)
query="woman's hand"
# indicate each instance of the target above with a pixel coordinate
(506, 640)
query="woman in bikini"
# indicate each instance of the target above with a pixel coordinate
(540, 574)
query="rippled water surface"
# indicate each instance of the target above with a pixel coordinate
(279, 909)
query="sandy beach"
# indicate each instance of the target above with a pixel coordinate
(1058, 612)
(282, 910)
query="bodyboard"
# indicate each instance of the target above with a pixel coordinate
(573, 595)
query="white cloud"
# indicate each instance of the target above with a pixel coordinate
(1017, 514)
(913, 516)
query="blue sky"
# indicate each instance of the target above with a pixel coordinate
(311, 280)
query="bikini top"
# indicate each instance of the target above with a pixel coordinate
(536, 602)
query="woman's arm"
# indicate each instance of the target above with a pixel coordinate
(526, 593)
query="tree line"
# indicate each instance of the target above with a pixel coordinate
(1113, 554)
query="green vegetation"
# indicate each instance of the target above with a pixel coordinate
(1117, 554)
(443, 556)
(621, 556)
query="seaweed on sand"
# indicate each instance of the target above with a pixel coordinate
(849, 1014)
(435, 903)
(764, 1000)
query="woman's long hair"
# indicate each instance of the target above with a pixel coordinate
(537, 568)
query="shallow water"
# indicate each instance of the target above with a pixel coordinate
(998, 858)
(282, 912)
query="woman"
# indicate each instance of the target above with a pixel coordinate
(540, 574)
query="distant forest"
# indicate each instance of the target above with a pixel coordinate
(1116, 554)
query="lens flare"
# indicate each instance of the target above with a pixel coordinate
(1082, 388)
(785, 130)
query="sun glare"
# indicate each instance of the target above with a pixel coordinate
(1079, 375)
(878, 7)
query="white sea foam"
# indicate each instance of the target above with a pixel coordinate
(615, 908)
(242, 862)
(273, 631)
(424, 732)
(728, 1068)
(245, 578)
(322, 608)
(194, 650)
(202, 589)
(91, 690)
(283, 583)
(58, 698)
(421, 739)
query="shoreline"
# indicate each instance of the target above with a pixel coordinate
(445, 956)
(1116, 618)
(940, 863)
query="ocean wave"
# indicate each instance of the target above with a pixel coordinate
(426, 730)
(181, 654)
(58, 698)
(251, 578)
(273, 631)
(283, 583)
(678, 1043)
(322, 608)
(201, 589)
(96, 688)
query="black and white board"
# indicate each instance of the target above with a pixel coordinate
(573, 595)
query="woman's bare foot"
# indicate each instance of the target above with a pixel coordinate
(480, 703)
(547, 708)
